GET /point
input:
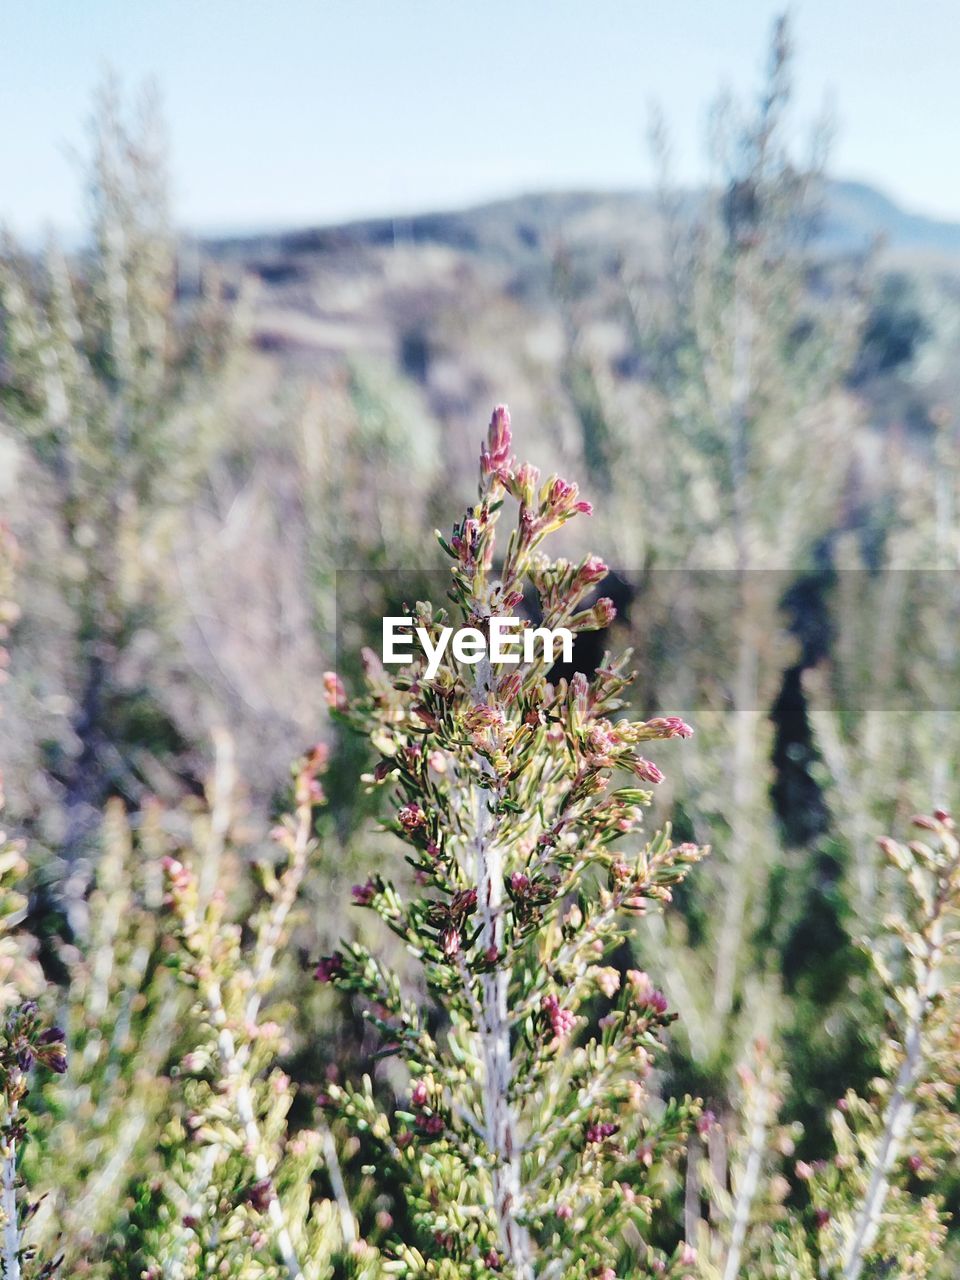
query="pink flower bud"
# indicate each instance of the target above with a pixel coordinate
(334, 692)
(526, 481)
(604, 612)
(363, 894)
(520, 884)
(411, 817)
(451, 942)
(596, 1133)
(646, 770)
(705, 1123)
(608, 981)
(329, 967)
(561, 1021)
(495, 454)
(592, 570)
(669, 727)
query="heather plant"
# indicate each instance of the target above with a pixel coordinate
(884, 700)
(517, 1117)
(532, 1141)
(237, 1196)
(25, 1040)
(874, 1204)
(24, 1043)
(870, 1203)
(96, 1128)
(111, 380)
(748, 342)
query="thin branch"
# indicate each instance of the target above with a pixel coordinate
(11, 1225)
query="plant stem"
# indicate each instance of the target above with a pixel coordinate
(245, 1114)
(900, 1108)
(499, 1119)
(751, 1177)
(11, 1226)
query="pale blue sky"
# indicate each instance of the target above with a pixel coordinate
(303, 111)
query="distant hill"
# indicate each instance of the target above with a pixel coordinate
(520, 229)
(856, 214)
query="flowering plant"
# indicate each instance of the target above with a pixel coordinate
(532, 1143)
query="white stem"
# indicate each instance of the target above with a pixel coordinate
(245, 1114)
(11, 1226)
(898, 1116)
(348, 1225)
(740, 876)
(747, 1191)
(500, 1124)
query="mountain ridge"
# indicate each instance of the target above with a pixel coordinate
(856, 216)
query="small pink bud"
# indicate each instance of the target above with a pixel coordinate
(363, 894)
(705, 1123)
(670, 727)
(329, 967)
(591, 571)
(451, 942)
(411, 817)
(597, 1133)
(604, 612)
(519, 883)
(495, 454)
(646, 770)
(334, 692)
